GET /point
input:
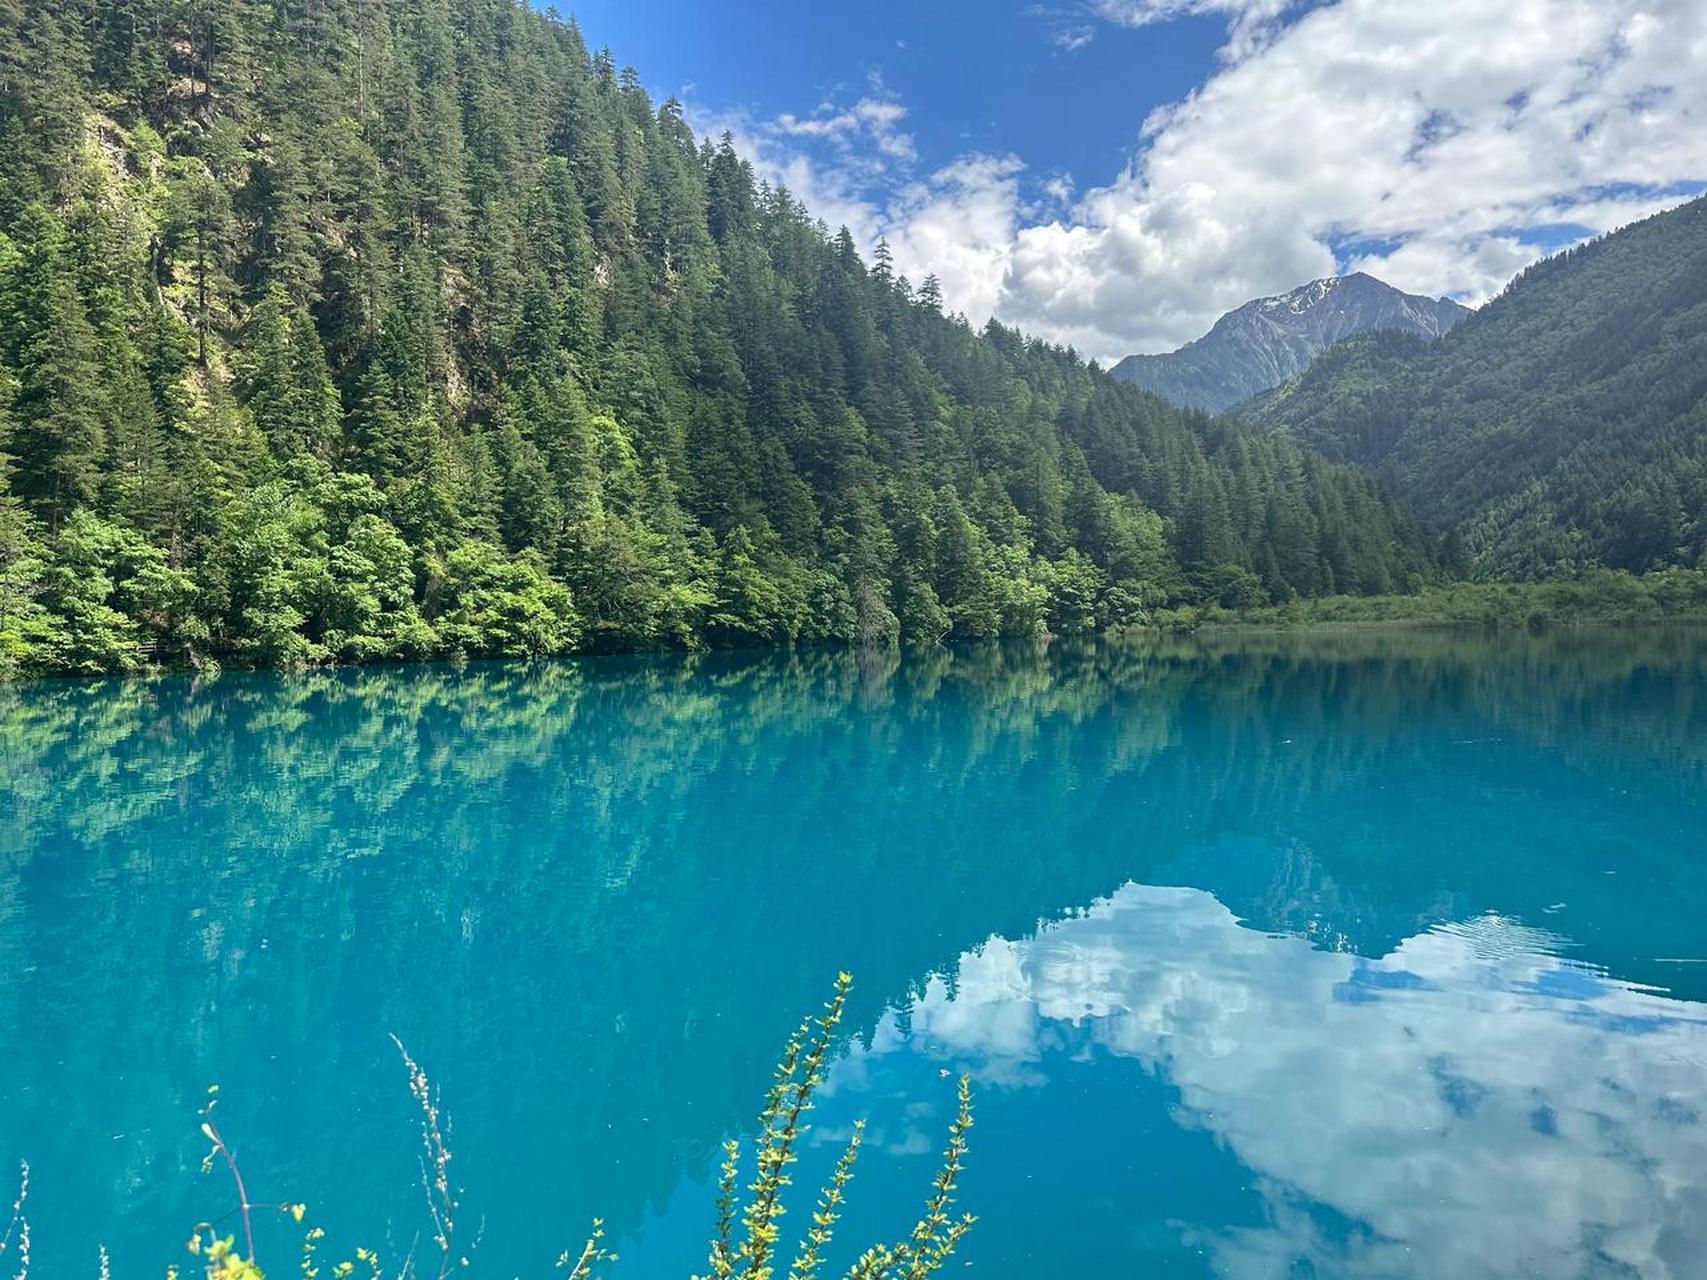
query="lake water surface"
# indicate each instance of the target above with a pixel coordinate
(1361, 956)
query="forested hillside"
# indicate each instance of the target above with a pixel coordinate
(1563, 425)
(351, 330)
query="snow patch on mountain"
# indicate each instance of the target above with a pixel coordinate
(1267, 340)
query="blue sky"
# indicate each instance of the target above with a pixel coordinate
(1115, 174)
(985, 75)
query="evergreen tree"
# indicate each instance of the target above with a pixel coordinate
(285, 379)
(58, 407)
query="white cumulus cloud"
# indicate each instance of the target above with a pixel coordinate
(874, 119)
(1249, 21)
(1442, 137)
(1438, 145)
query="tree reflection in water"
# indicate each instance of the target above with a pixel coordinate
(594, 895)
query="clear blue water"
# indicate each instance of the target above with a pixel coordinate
(1375, 956)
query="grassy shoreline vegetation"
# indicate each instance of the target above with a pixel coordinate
(1604, 598)
(747, 1241)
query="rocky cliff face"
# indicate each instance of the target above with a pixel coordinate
(1266, 341)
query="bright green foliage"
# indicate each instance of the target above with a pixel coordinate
(26, 627)
(367, 607)
(112, 596)
(484, 600)
(1078, 598)
(268, 565)
(754, 604)
(1561, 427)
(746, 1241)
(602, 389)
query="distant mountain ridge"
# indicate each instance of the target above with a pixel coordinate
(1268, 340)
(1564, 426)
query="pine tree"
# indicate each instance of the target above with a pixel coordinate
(199, 233)
(285, 255)
(930, 295)
(59, 437)
(286, 382)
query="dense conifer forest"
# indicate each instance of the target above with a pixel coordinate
(1560, 428)
(346, 330)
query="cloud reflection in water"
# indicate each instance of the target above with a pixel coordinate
(1472, 1104)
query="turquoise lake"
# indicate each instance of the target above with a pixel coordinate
(1334, 956)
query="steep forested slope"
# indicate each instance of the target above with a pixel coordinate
(1563, 425)
(346, 329)
(1263, 343)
